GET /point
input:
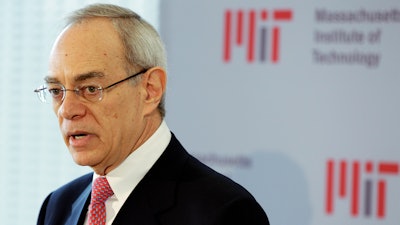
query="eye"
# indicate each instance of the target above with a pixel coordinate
(55, 91)
(92, 90)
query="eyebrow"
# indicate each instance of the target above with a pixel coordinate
(78, 78)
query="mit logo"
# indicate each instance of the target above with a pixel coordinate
(344, 180)
(242, 29)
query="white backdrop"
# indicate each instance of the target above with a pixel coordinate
(272, 92)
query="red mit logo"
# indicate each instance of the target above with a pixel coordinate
(348, 185)
(238, 19)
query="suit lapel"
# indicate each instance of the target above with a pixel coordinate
(78, 212)
(154, 194)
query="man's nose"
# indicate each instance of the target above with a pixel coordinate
(71, 106)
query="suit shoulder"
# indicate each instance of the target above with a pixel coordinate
(217, 196)
(195, 176)
(207, 180)
(58, 206)
(73, 188)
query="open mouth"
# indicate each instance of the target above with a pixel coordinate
(78, 139)
(78, 136)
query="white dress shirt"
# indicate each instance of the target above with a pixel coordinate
(126, 176)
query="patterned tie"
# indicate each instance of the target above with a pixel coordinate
(101, 191)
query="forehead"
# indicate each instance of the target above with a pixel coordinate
(82, 48)
(78, 78)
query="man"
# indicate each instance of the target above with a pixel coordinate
(107, 82)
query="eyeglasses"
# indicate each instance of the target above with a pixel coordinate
(56, 92)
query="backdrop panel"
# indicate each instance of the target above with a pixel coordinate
(296, 100)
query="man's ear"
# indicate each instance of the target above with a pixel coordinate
(155, 83)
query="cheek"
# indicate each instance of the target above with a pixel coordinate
(126, 111)
(55, 109)
(115, 115)
(59, 118)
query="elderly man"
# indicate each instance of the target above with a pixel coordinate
(106, 83)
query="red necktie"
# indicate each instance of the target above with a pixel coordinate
(101, 191)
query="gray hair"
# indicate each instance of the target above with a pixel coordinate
(143, 45)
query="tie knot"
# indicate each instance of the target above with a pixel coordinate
(101, 190)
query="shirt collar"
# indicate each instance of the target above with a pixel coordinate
(126, 176)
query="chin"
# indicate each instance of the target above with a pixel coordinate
(82, 159)
(81, 162)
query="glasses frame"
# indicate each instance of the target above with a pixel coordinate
(78, 91)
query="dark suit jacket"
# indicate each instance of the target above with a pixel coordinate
(177, 190)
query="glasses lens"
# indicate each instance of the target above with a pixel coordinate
(55, 92)
(91, 93)
(41, 93)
